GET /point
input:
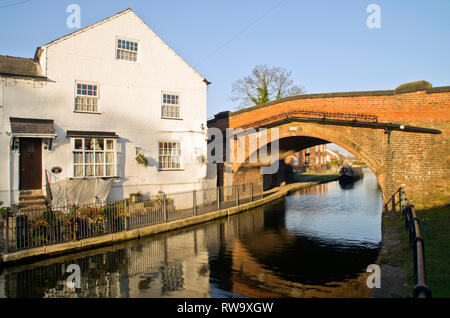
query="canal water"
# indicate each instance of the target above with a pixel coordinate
(316, 242)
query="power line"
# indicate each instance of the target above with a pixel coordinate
(14, 4)
(240, 32)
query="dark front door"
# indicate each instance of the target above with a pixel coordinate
(30, 163)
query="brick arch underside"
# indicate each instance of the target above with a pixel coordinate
(361, 142)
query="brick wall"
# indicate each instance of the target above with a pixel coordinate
(317, 158)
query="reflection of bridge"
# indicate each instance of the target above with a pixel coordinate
(402, 135)
(253, 280)
(286, 265)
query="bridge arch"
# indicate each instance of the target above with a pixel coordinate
(296, 137)
(317, 135)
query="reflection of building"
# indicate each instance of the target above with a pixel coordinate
(320, 189)
(313, 158)
(172, 266)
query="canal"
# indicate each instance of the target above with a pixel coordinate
(316, 242)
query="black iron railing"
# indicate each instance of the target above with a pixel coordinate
(412, 224)
(337, 119)
(315, 114)
(35, 227)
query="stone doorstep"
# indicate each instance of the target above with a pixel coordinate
(32, 199)
(32, 202)
(36, 192)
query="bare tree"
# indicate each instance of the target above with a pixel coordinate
(265, 84)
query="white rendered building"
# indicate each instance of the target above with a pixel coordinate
(90, 102)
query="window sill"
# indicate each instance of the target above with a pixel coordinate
(111, 177)
(127, 61)
(171, 118)
(85, 112)
(176, 169)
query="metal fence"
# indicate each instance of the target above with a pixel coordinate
(28, 228)
(399, 198)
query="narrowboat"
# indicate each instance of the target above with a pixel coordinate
(349, 174)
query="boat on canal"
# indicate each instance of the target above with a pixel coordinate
(349, 174)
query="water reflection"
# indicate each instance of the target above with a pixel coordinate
(314, 243)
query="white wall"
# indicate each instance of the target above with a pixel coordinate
(129, 105)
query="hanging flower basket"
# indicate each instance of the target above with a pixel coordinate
(142, 160)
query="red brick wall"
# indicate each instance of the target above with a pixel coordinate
(317, 158)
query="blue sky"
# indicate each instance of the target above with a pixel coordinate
(326, 44)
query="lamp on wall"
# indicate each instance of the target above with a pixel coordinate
(14, 143)
(48, 142)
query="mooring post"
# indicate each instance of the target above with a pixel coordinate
(251, 192)
(400, 199)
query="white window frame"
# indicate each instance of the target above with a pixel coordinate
(86, 96)
(180, 157)
(93, 164)
(180, 117)
(116, 48)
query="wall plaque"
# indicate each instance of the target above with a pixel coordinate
(56, 170)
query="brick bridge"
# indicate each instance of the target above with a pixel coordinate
(401, 134)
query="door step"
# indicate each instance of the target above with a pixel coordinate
(31, 192)
(32, 200)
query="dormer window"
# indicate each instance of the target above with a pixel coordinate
(126, 50)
